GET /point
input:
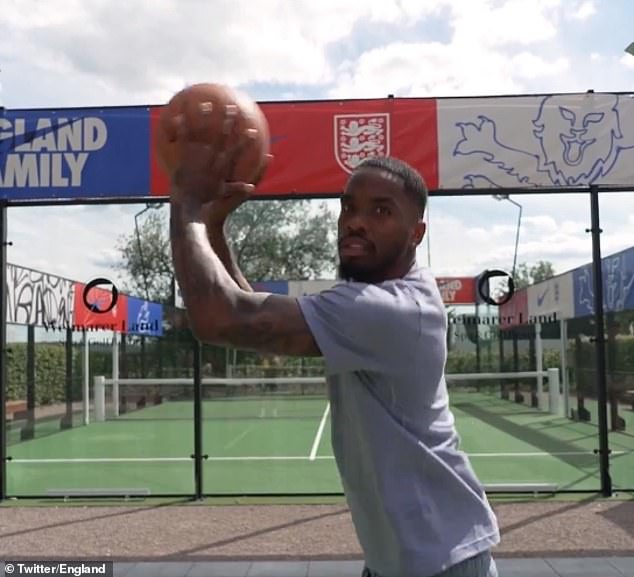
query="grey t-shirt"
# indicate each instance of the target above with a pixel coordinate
(415, 501)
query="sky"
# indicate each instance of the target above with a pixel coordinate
(83, 53)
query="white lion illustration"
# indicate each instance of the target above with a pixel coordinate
(576, 147)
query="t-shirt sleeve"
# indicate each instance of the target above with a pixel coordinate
(364, 327)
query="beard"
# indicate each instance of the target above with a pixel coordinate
(369, 273)
(354, 273)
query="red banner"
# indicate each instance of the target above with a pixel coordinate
(113, 320)
(317, 144)
(457, 290)
(515, 312)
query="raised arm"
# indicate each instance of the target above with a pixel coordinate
(218, 240)
(216, 214)
(220, 308)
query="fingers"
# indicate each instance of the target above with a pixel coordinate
(223, 151)
(228, 128)
(179, 128)
(233, 153)
(238, 189)
(268, 158)
(217, 210)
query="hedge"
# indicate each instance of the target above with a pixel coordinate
(173, 357)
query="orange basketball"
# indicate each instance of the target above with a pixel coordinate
(207, 128)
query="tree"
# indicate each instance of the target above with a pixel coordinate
(146, 260)
(271, 240)
(289, 239)
(525, 275)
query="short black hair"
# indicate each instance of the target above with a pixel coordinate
(413, 183)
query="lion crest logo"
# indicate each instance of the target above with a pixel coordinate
(360, 136)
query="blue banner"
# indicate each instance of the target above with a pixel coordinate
(144, 318)
(618, 284)
(74, 153)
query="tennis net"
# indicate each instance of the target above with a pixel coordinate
(287, 397)
(222, 398)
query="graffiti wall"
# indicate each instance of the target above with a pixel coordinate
(38, 298)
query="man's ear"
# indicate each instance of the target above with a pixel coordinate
(419, 233)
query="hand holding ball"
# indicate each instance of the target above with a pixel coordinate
(215, 132)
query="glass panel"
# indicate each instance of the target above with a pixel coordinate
(267, 429)
(617, 218)
(513, 421)
(519, 424)
(74, 435)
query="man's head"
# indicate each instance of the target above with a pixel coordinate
(381, 220)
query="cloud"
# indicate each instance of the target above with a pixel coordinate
(513, 23)
(627, 60)
(71, 241)
(529, 66)
(146, 50)
(491, 51)
(423, 70)
(110, 52)
(583, 11)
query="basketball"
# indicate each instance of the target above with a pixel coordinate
(206, 128)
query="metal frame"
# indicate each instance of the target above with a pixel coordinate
(593, 191)
(603, 451)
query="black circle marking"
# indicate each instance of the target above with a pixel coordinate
(94, 306)
(483, 287)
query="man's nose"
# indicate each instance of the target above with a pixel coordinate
(355, 223)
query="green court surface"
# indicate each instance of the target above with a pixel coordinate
(280, 444)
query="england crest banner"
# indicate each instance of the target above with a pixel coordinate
(475, 145)
(316, 145)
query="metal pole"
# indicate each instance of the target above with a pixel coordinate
(86, 377)
(66, 421)
(3, 350)
(564, 366)
(517, 236)
(539, 363)
(28, 431)
(148, 206)
(597, 275)
(517, 231)
(477, 339)
(115, 373)
(138, 241)
(198, 435)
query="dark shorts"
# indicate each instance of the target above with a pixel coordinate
(481, 565)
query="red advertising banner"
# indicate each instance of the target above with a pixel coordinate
(457, 290)
(515, 312)
(317, 144)
(85, 318)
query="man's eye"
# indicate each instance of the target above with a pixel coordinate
(383, 210)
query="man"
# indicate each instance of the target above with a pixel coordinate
(417, 506)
